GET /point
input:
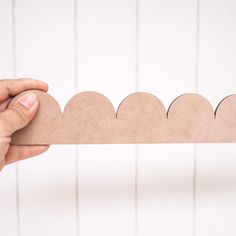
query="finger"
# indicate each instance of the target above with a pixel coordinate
(4, 104)
(12, 87)
(18, 153)
(2, 164)
(18, 114)
(4, 146)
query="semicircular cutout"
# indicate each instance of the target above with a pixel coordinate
(143, 118)
(87, 118)
(190, 119)
(44, 127)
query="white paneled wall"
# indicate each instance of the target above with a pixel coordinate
(216, 164)
(45, 50)
(8, 187)
(116, 47)
(106, 63)
(167, 47)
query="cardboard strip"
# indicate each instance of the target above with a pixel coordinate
(90, 118)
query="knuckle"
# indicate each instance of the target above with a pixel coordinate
(3, 128)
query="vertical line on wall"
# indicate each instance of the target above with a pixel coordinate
(136, 189)
(137, 45)
(136, 89)
(194, 188)
(197, 46)
(196, 90)
(14, 76)
(76, 90)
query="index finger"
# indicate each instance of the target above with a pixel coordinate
(11, 87)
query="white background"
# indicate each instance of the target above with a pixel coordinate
(117, 47)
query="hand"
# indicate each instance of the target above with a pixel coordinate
(16, 116)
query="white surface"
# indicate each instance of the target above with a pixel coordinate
(216, 178)
(106, 63)
(167, 69)
(45, 50)
(167, 48)
(8, 203)
(113, 58)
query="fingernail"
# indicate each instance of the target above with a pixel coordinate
(27, 100)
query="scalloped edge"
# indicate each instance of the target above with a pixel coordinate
(190, 118)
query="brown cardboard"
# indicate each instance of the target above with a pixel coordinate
(90, 118)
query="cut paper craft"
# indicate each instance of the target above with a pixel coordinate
(90, 118)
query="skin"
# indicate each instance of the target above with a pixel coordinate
(16, 116)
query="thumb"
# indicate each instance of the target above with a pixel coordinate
(18, 114)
